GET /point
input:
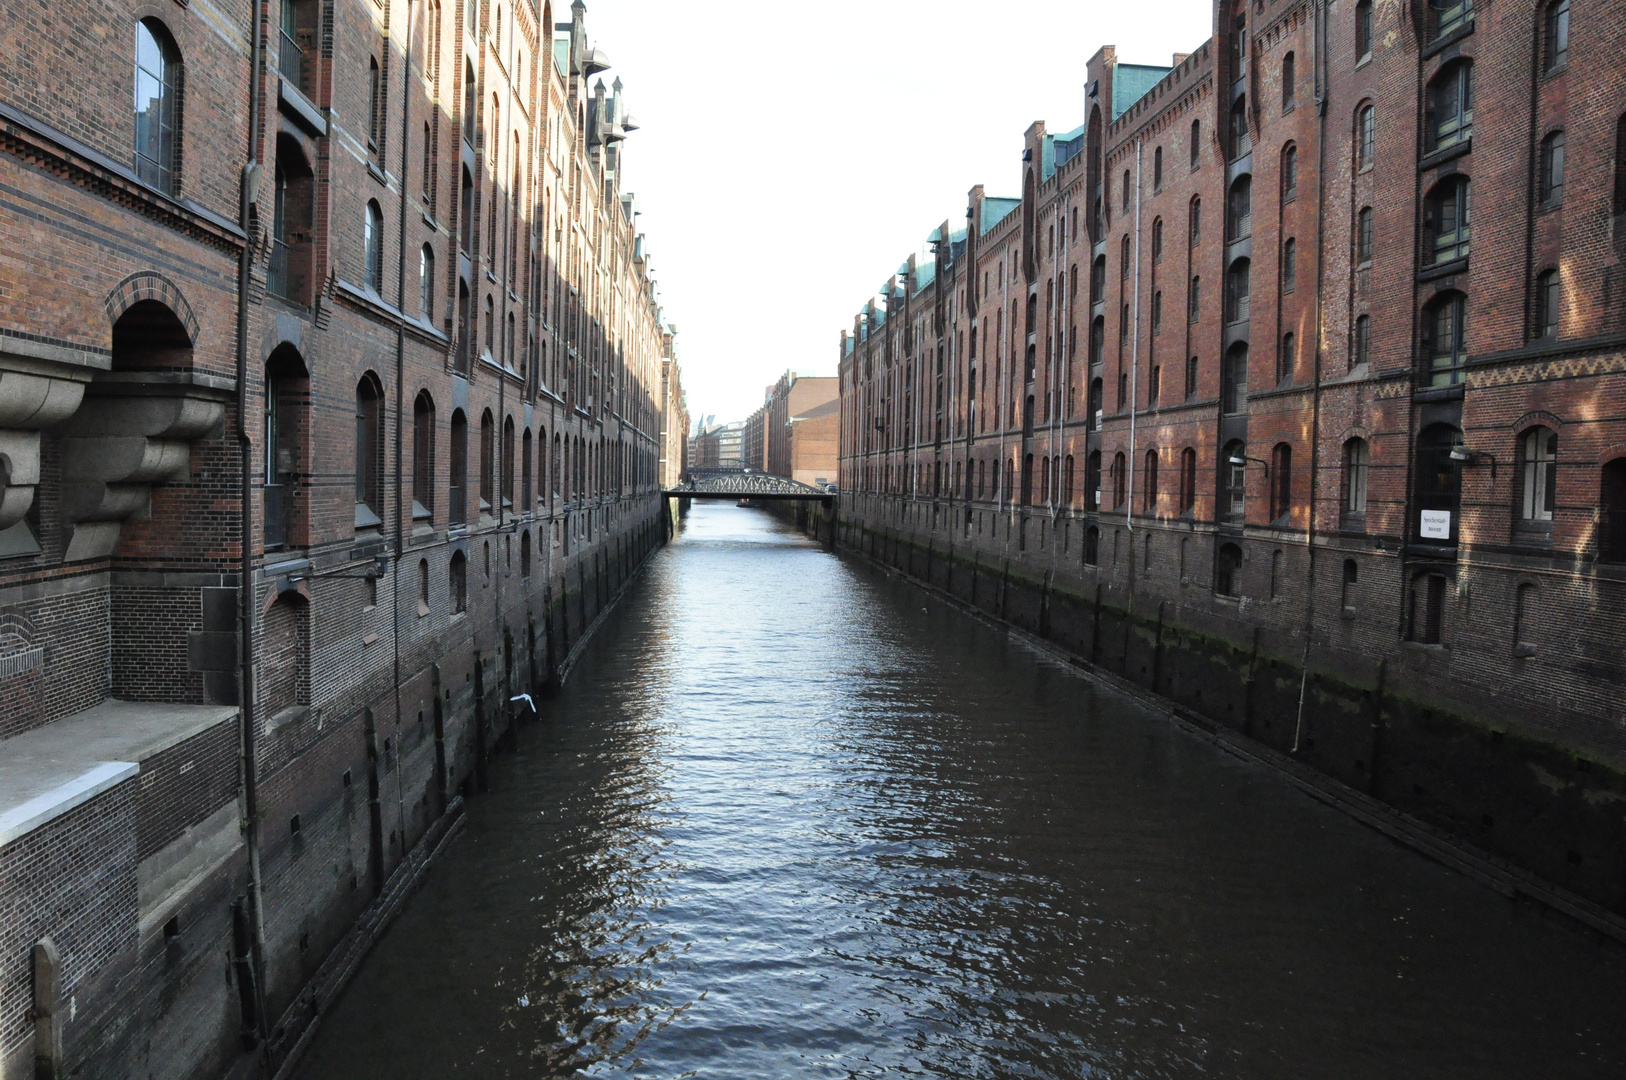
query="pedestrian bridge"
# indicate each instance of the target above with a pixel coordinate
(744, 485)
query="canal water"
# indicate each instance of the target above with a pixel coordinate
(792, 817)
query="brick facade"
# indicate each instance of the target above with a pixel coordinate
(427, 351)
(1184, 400)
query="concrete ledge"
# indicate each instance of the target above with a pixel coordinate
(46, 772)
(20, 818)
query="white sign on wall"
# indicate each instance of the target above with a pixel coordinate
(1436, 525)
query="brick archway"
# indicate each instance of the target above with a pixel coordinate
(151, 285)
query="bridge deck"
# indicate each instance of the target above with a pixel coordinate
(747, 486)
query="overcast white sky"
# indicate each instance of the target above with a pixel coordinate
(791, 155)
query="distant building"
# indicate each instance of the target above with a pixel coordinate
(803, 427)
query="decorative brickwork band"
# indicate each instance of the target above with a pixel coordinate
(151, 285)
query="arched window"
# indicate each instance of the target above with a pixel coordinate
(1228, 570)
(1149, 484)
(1119, 480)
(1092, 481)
(1196, 142)
(1366, 130)
(1620, 174)
(1157, 240)
(1286, 359)
(426, 284)
(1191, 376)
(506, 476)
(1364, 225)
(458, 582)
(423, 457)
(1233, 481)
(1237, 292)
(1451, 106)
(1281, 482)
(1157, 312)
(491, 329)
(375, 103)
(1241, 141)
(369, 452)
(1351, 576)
(526, 502)
(157, 106)
(1188, 480)
(1445, 333)
(427, 181)
(466, 212)
(488, 462)
(1195, 225)
(465, 333)
(1157, 169)
(1239, 209)
(1290, 265)
(291, 224)
(1538, 471)
(1194, 298)
(1552, 169)
(1288, 87)
(1290, 173)
(1098, 279)
(1547, 304)
(457, 487)
(1067, 482)
(1095, 405)
(1445, 219)
(1439, 484)
(1126, 191)
(1556, 34)
(1356, 462)
(1612, 512)
(1363, 30)
(373, 242)
(471, 103)
(1363, 342)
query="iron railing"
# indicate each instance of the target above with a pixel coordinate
(277, 505)
(291, 60)
(276, 279)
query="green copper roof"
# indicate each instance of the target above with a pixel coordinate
(996, 210)
(1130, 83)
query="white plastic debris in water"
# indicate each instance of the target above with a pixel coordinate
(525, 1001)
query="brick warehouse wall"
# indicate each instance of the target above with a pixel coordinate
(388, 629)
(1098, 293)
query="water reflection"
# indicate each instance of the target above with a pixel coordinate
(792, 818)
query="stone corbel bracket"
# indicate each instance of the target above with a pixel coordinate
(41, 385)
(134, 431)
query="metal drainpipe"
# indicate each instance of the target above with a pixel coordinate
(1318, 33)
(403, 513)
(1134, 372)
(246, 592)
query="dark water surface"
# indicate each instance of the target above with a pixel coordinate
(793, 818)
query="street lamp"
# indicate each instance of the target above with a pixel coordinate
(1461, 453)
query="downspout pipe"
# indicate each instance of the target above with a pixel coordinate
(248, 769)
(1318, 32)
(1134, 365)
(403, 512)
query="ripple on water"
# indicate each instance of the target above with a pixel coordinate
(792, 818)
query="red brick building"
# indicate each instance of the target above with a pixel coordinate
(361, 289)
(1227, 400)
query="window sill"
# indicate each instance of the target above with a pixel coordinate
(1524, 649)
(1442, 270)
(1446, 40)
(377, 174)
(1435, 158)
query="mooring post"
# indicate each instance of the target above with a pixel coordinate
(47, 999)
